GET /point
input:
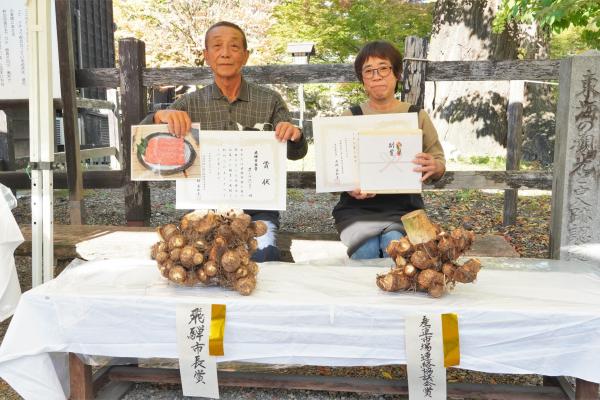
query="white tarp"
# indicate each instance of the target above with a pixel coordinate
(10, 239)
(522, 316)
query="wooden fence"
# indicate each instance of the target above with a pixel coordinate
(133, 79)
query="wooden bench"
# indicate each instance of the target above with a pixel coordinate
(104, 241)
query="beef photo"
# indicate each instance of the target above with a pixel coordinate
(165, 151)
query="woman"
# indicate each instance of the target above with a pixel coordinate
(368, 222)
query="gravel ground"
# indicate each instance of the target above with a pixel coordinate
(311, 212)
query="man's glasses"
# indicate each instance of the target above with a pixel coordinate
(383, 71)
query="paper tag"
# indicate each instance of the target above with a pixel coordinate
(197, 368)
(425, 357)
(385, 160)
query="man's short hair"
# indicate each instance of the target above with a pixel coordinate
(230, 25)
(379, 49)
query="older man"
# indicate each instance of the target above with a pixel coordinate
(231, 102)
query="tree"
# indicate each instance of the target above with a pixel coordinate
(173, 30)
(340, 27)
(556, 15)
(472, 115)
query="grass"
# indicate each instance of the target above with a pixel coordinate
(294, 194)
(466, 195)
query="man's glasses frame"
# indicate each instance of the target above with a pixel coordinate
(383, 71)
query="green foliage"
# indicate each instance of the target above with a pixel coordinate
(567, 43)
(465, 195)
(141, 147)
(173, 30)
(340, 27)
(295, 194)
(495, 163)
(556, 15)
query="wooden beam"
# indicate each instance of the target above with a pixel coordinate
(98, 152)
(331, 73)
(452, 180)
(413, 70)
(132, 56)
(80, 376)
(513, 147)
(91, 180)
(585, 390)
(60, 157)
(97, 77)
(338, 384)
(456, 180)
(67, 88)
(536, 70)
(95, 103)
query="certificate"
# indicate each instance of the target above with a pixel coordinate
(337, 146)
(239, 169)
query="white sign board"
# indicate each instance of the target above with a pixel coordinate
(14, 54)
(425, 357)
(197, 368)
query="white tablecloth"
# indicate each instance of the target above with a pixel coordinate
(10, 239)
(521, 316)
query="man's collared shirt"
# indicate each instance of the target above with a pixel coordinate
(256, 107)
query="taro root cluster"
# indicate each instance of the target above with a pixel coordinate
(210, 248)
(425, 259)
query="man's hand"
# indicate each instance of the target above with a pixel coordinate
(285, 131)
(359, 195)
(179, 121)
(429, 166)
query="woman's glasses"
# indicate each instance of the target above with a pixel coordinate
(382, 71)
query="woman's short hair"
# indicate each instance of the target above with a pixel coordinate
(379, 49)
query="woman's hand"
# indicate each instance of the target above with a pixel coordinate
(429, 166)
(359, 195)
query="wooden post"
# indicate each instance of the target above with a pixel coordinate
(7, 151)
(80, 377)
(585, 390)
(414, 70)
(513, 147)
(17, 132)
(576, 183)
(132, 58)
(67, 88)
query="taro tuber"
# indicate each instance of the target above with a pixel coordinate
(210, 248)
(425, 259)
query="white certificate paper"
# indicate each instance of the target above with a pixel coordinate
(337, 146)
(197, 368)
(425, 357)
(239, 169)
(385, 160)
